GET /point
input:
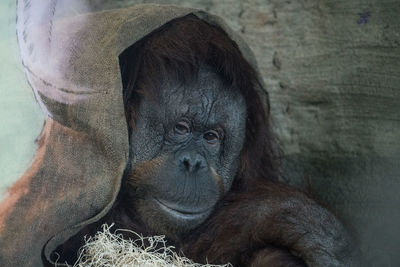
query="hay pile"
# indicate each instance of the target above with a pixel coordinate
(107, 249)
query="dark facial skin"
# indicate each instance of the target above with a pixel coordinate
(185, 148)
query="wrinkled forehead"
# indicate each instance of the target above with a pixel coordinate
(207, 95)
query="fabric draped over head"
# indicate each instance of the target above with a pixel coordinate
(71, 62)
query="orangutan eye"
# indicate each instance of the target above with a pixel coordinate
(211, 137)
(182, 128)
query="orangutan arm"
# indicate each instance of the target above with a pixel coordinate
(274, 225)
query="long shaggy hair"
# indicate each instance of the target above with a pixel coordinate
(177, 50)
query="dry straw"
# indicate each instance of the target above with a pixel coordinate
(109, 249)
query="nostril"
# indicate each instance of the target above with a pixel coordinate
(197, 166)
(186, 164)
(191, 163)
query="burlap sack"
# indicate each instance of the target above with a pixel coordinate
(71, 62)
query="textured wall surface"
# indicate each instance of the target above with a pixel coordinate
(332, 69)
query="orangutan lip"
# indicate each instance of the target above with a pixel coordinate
(181, 213)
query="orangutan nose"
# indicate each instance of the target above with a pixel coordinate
(192, 162)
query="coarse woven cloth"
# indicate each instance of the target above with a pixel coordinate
(71, 62)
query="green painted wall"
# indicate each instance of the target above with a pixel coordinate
(20, 117)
